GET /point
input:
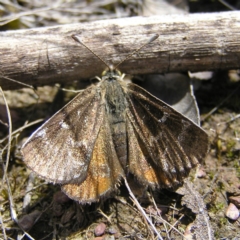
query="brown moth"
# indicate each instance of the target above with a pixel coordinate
(112, 129)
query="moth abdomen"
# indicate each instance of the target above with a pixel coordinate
(119, 138)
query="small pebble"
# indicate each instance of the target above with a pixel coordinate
(235, 200)
(232, 212)
(100, 229)
(112, 230)
(27, 221)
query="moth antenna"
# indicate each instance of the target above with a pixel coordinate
(153, 38)
(77, 39)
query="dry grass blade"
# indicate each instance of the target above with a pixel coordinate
(141, 210)
(165, 223)
(2, 224)
(5, 167)
(9, 136)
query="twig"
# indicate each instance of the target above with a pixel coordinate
(141, 209)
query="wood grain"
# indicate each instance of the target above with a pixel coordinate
(194, 42)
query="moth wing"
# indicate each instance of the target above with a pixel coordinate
(139, 159)
(60, 150)
(170, 143)
(104, 170)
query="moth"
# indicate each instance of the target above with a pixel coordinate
(110, 130)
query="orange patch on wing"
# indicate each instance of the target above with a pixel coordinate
(88, 191)
(138, 164)
(103, 172)
(151, 176)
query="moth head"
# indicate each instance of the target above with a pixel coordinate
(111, 71)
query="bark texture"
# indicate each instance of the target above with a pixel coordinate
(194, 42)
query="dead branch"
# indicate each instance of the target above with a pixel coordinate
(49, 55)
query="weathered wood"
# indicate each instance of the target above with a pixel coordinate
(192, 42)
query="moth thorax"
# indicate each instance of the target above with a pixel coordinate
(115, 98)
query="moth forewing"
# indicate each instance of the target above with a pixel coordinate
(172, 143)
(60, 150)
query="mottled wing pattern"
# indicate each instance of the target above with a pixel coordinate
(60, 150)
(163, 144)
(104, 170)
